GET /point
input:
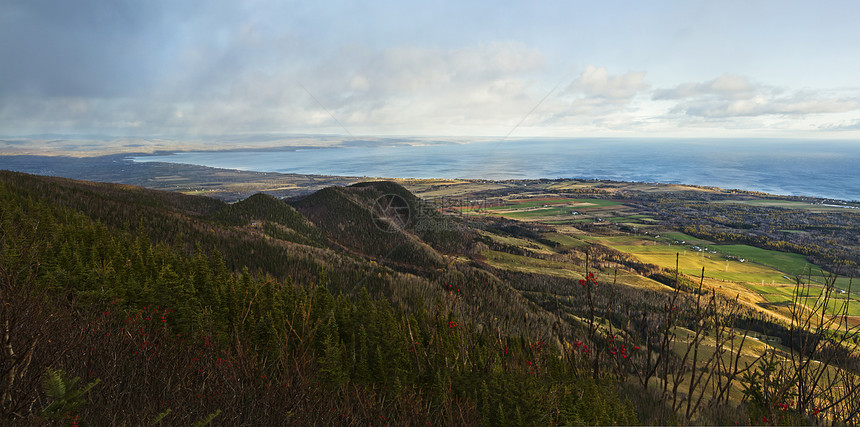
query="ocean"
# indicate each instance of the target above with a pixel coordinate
(816, 168)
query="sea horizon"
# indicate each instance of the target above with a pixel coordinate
(794, 167)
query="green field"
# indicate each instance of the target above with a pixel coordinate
(565, 240)
(535, 213)
(691, 262)
(676, 235)
(592, 203)
(549, 208)
(773, 269)
(785, 294)
(791, 264)
(567, 221)
(623, 240)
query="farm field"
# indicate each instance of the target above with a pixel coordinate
(532, 213)
(541, 207)
(618, 220)
(770, 274)
(566, 240)
(688, 239)
(791, 264)
(762, 266)
(759, 264)
(551, 201)
(781, 294)
(716, 266)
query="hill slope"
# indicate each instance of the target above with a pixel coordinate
(354, 305)
(374, 219)
(144, 299)
(274, 216)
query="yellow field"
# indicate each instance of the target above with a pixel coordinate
(516, 241)
(691, 263)
(526, 264)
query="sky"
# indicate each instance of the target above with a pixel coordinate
(180, 68)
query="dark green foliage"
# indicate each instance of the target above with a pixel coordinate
(425, 220)
(348, 218)
(177, 332)
(771, 394)
(65, 396)
(275, 217)
(527, 399)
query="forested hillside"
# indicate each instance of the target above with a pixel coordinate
(175, 308)
(130, 306)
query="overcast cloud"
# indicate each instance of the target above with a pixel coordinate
(179, 68)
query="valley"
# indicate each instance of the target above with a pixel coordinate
(493, 286)
(430, 214)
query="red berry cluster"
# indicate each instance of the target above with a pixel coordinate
(588, 279)
(452, 325)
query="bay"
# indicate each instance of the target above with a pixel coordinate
(815, 168)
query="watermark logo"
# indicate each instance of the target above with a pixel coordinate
(391, 213)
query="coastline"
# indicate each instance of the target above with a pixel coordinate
(232, 184)
(779, 167)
